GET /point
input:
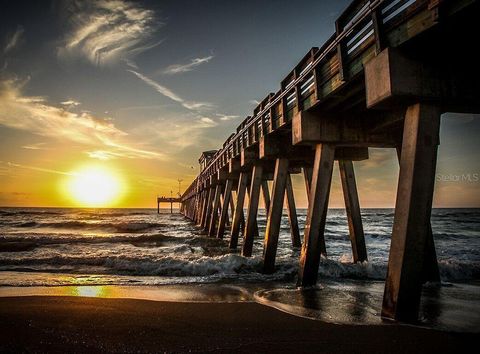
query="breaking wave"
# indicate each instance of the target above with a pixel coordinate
(122, 227)
(192, 262)
(140, 244)
(59, 239)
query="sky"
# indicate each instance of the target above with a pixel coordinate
(140, 89)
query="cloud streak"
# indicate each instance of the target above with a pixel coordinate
(190, 105)
(107, 31)
(183, 68)
(36, 146)
(35, 168)
(159, 88)
(35, 115)
(13, 39)
(226, 117)
(102, 155)
(70, 103)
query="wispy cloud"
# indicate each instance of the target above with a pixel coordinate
(106, 31)
(208, 121)
(254, 102)
(127, 151)
(35, 115)
(183, 68)
(102, 155)
(35, 168)
(159, 88)
(143, 48)
(13, 39)
(198, 106)
(70, 103)
(193, 106)
(175, 132)
(131, 64)
(226, 117)
(36, 146)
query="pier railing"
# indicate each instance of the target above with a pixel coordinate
(362, 30)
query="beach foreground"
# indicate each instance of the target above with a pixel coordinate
(81, 324)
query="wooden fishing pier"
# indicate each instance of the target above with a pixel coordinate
(169, 200)
(383, 79)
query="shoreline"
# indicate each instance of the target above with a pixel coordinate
(82, 324)
(446, 307)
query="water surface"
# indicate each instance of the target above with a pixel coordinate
(105, 248)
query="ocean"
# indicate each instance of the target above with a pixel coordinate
(52, 247)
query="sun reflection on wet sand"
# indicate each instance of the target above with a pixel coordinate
(90, 291)
(199, 293)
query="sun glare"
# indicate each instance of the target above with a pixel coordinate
(94, 186)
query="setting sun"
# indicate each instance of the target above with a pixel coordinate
(94, 186)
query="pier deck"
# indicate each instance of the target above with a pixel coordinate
(169, 200)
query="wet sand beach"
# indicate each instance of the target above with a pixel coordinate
(82, 324)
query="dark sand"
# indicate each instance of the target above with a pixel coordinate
(80, 324)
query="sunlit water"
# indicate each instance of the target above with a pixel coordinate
(94, 248)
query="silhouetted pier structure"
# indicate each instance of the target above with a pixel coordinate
(170, 200)
(382, 80)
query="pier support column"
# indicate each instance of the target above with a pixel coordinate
(314, 241)
(275, 215)
(430, 265)
(226, 202)
(203, 212)
(208, 209)
(238, 212)
(203, 206)
(352, 207)
(197, 207)
(251, 221)
(216, 203)
(413, 208)
(292, 213)
(255, 227)
(266, 196)
(222, 201)
(307, 175)
(190, 207)
(232, 208)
